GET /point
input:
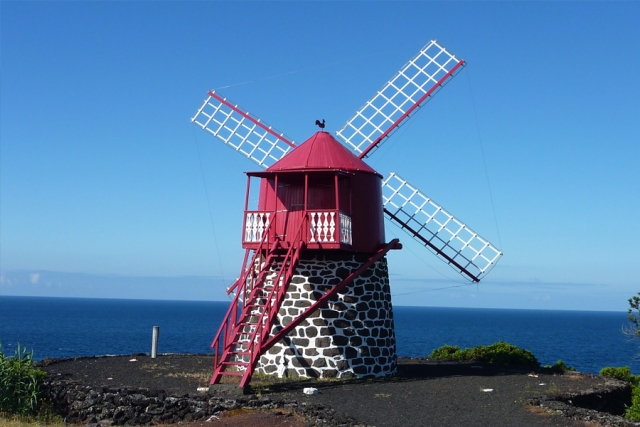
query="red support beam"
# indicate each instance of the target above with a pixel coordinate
(330, 294)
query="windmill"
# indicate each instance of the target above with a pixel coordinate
(313, 296)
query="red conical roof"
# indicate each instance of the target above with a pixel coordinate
(321, 152)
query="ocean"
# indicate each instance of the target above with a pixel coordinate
(70, 327)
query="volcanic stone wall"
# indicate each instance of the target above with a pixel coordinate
(90, 406)
(352, 337)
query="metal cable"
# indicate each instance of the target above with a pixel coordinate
(206, 190)
(484, 162)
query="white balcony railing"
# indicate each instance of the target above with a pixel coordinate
(323, 227)
(255, 225)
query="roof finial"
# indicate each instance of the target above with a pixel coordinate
(321, 124)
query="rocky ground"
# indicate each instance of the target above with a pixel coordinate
(136, 389)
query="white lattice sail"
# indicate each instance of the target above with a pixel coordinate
(415, 83)
(241, 131)
(437, 229)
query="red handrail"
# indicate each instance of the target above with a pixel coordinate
(230, 319)
(272, 304)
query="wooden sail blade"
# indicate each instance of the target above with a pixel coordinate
(241, 131)
(427, 222)
(414, 85)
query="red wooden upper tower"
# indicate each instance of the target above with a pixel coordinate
(324, 193)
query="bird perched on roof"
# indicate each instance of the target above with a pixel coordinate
(321, 124)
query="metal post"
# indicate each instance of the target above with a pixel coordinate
(154, 341)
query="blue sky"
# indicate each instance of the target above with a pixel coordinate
(103, 193)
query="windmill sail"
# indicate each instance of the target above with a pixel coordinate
(441, 232)
(241, 131)
(421, 78)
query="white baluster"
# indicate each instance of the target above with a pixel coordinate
(313, 226)
(266, 222)
(254, 226)
(325, 227)
(332, 227)
(247, 228)
(254, 219)
(260, 227)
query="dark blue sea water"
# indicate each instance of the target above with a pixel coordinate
(67, 327)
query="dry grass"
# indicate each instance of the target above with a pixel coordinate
(251, 418)
(156, 366)
(200, 377)
(160, 370)
(576, 376)
(16, 421)
(553, 389)
(545, 413)
(540, 411)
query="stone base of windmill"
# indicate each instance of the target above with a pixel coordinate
(353, 336)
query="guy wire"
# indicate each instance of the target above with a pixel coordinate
(422, 259)
(315, 67)
(432, 290)
(486, 171)
(206, 191)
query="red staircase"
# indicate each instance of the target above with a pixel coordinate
(259, 292)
